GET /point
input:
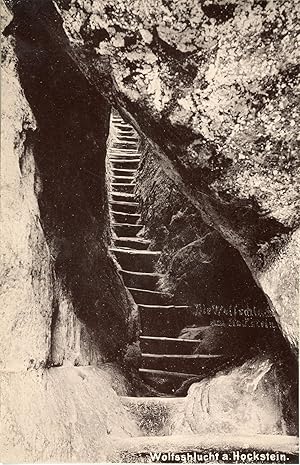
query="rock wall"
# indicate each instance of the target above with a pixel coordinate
(199, 266)
(26, 268)
(248, 400)
(68, 179)
(62, 414)
(60, 291)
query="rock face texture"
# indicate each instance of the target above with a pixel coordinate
(245, 401)
(213, 84)
(61, 414)
(198, 265)
(203, 270)
(53, 257)
(26, 276)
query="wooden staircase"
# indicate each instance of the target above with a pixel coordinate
(166, 359)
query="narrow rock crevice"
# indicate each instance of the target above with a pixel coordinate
(69, 149)
(201, 313)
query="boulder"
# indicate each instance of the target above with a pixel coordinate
(244, 401)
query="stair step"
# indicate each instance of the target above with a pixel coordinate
(144, 296)
(125, 172)
(125, 138)
(123, 127)
(130, 137)
(118, 187)
(139, 449)
(124, 206)
(132, 243)
(126, 132)
(119, 125)
(182, 356)
(136, 260)
(122, 197)
(125, 163)
(123, 179)
(124, 229)
(120, 121)
(165, 381)
(167, 374)
(122, 124)
(125, 145)
(154, 415)
(140, 280)
(117, 151)
(164, 320)
(130, 218)
(129, 155)
(212, 339)
(115, 155)
(193, 363)
(120, 128)
(168, 345)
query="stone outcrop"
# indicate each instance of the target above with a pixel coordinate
(201, 269)
(247, 400)
(60, 289)
(26, 269)
(198, 265)
(65, 414)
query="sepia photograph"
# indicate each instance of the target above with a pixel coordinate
(149, 231)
